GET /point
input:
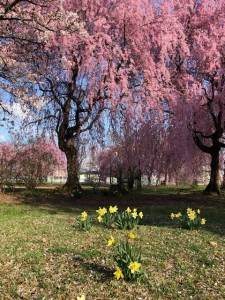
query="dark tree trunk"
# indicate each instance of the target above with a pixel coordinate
(214, 183)
(214, 151)
(74, 116)
(130, 184)
(223, 182)
(215, 136)
(165, 178)
(120, 179)
(139, 179)
(72, 182)
(149, 179)
(68, 146)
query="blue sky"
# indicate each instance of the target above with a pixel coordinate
(4, 135)
(6, 125)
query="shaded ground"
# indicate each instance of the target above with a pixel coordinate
(52, 198)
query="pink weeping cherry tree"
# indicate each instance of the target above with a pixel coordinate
(96, 58)
(84, 73)
(23, 22)
(198, 78)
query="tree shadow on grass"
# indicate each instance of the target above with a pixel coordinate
(101, 273)
(156, 209)
(160, 217)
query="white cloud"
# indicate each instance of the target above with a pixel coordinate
(2, 138)
(18, 111)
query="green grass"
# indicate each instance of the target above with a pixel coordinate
(172, 190)
(45, 255)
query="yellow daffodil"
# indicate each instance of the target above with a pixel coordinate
(135, 210)
(101, 211)
(118, 273)
(132, 236)
(128, 210)
(178, 215)
(134, 215)
(191, 215)
(81, 298)
(198, 211)
(189, 210)
(172, 216)
(203, 221)
(134, 266)
(100, 219)
(83, 219)
(84, 214)
(111, 241)
(113, 209)
(141, 214)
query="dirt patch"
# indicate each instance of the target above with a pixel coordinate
(10, 198)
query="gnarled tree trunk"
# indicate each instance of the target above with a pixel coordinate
(214, 151)
(214, 183)
(72, 182)
(68, 141)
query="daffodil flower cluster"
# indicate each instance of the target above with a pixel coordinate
(134, 266)
(107, 216)
(190, 220)
(111, 241)
(85, 221)
(191, 214)
(178, 215)
(128, 259)
(84, 216)
(127, 219)
(134, 213)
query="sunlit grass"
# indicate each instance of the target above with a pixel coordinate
(45, 255)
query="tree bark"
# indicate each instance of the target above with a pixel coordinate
(214, 183)
(130, 184)
(165, 178)
(223, 182)
(214, 152)
(72, 182)
(139, 186)
(68, 146)
(120, 179)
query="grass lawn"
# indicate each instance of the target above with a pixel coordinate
(45, 255)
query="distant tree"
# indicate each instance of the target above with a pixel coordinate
(8, 168)
(157, 147)
(35, 161)
(28, 162)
